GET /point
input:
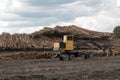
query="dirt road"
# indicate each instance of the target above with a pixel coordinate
(105, 68)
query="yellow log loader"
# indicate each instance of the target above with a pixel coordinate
(66, 48)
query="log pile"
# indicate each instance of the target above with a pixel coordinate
(44, 39)
(24, 55)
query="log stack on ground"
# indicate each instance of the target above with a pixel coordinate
(44, 39)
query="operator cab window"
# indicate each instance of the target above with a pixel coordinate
(70, 38)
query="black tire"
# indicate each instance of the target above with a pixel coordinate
(64, 57)
(86, 56)
(76, 54)
(61, 58)
(72, 57)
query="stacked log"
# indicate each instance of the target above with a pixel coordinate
(44, 39)
(23, 55)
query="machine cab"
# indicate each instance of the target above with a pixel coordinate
(68, 40)
(66, 44)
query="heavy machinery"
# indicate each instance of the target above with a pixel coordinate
(66, 48)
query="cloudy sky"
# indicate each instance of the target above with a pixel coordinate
(26, 16)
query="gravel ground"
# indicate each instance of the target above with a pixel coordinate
(96, 68)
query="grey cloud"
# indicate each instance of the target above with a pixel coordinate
(47, 2)
(48, 12)
(66, 14)
(91, 2)
(35, 14)
(30, 22)
(49, 15)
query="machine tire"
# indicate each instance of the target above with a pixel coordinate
(61, 58)
(86, 56)
(72, 57)
(65, 57)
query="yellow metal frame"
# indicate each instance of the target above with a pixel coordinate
(69, 43)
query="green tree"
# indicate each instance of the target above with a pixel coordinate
(116, 32)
